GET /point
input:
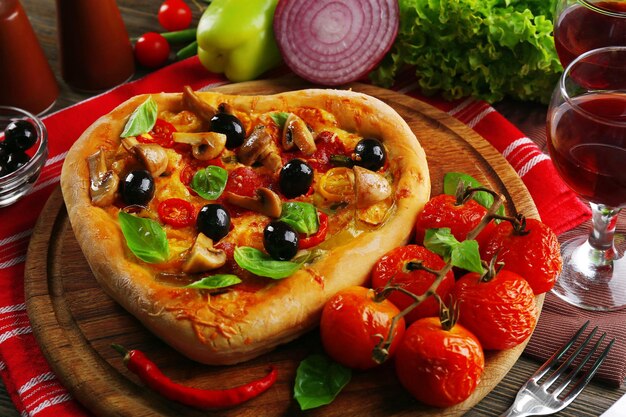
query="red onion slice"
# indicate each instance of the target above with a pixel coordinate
(333, 42)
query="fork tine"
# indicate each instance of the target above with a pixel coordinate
(572, 375)
(559, 354)
(566, 364)
(583, 382)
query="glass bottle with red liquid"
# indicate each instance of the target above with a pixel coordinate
(583, 25)
(26, 79)
(94, 48)
(586, 129)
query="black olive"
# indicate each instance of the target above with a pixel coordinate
(4, 153)
(230, 126)
(16, 160)
(369, 153)
(213, 221)
(295, 178)
(20, 135)
(280, 240)
(138, 188)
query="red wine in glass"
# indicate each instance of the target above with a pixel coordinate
(587, 142)
(580, 28)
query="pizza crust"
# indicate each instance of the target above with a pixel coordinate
(227, 330)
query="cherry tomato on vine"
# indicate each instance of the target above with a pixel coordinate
(443, 211)
(152, 50)
(501, 312)
(161, 134)
(531, 250)
(395, 265)
(174, 15)
(439, 367)
(306, 242)
(176, 212)
(352, 323)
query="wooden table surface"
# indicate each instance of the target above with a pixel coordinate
(140, 17)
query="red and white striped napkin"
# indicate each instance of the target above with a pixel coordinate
(32, 385)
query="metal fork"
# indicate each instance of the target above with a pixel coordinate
(536, 398)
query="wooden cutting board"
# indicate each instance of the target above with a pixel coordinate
(75, 322)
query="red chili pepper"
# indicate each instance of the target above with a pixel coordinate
(319, 236)
(176, 212)
(152, 376)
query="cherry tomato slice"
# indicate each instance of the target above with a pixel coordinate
(176, 212)
(306, 242)
(161, 134)
(174, 15)
(152, 50)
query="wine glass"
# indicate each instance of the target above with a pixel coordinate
(583, 25)
(586, 129)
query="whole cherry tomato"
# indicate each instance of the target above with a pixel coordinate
(352, 324)
(530, 249)
(306, 242)
(501, 312)
(161, 134)
(444, 211)
(174, 15)
(152, 50)
(176, 212)
(439, 367)
(395, 266)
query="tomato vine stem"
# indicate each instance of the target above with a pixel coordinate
(381, 350)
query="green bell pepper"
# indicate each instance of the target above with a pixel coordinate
(236, 37)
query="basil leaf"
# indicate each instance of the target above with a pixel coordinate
(142, 120)
(144, 237)
(210, 182)
(301, 216)
(462, 254)
(280, 118)
(215, 281)
(450, 184)
(259, 263)
(318, 381)
(466, 255)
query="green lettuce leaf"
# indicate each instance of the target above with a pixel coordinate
(483, 48)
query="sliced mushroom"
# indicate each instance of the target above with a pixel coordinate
(103, 181)
(370, 187)
(265, 201)
(193, 101)
(297, 133)
(204, 145)
(258, 147)
(203, 256)
(151, 155)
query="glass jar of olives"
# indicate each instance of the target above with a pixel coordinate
(23, 153)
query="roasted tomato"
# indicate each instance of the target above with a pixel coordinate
(439, 367)
(444, 211)
(353, 323)
(499, 310)
(397, 266)
(530, 248)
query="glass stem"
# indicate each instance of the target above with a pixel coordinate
(604, 221)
